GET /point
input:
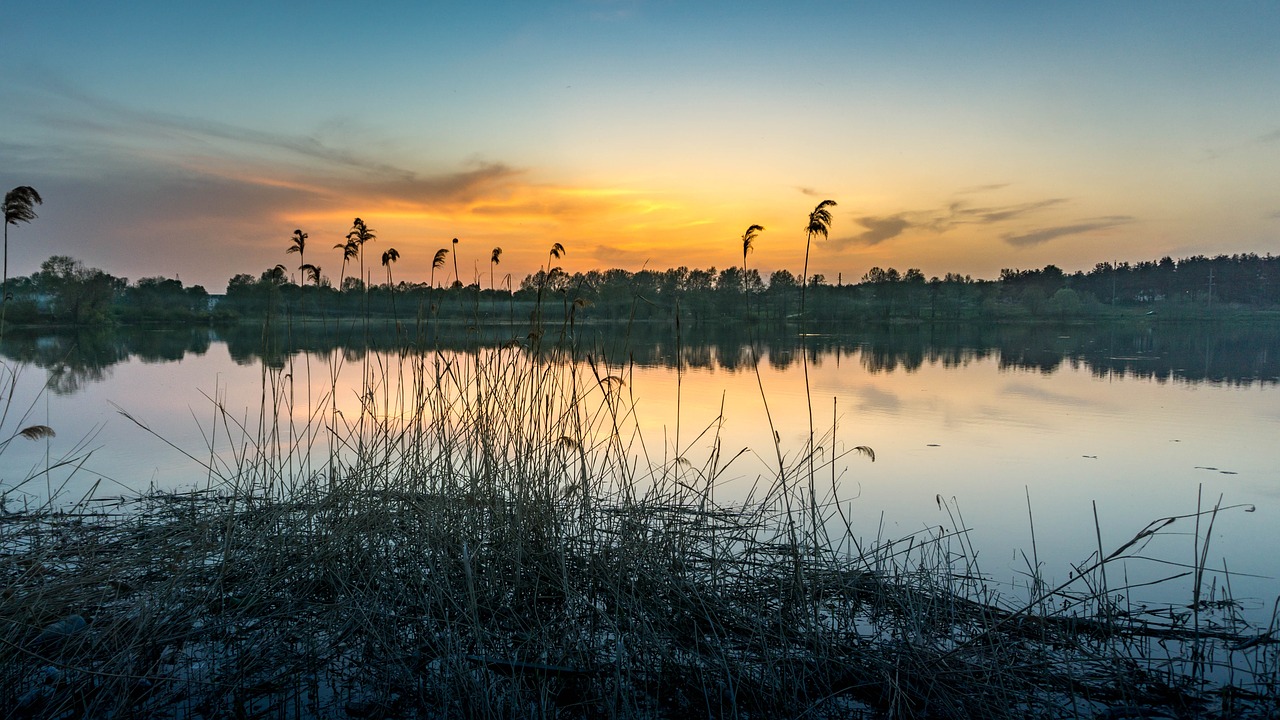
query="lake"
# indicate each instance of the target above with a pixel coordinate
(980, 430)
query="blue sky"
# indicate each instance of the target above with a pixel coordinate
(191, 139)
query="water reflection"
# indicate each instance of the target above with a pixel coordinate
(1233, 354)
(997, 416)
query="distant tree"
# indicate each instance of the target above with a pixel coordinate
(239, 283)
(878, 275)
(19, 206)
(278, 275)
(80, 295)
(1065, 302)
(780, 280)
(160, 298)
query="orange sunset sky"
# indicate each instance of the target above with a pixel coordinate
(191, 139)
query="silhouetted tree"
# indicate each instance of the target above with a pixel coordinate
(80, 295)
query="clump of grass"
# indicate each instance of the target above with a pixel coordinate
(487, 535)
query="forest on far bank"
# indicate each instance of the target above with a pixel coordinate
(66, 292)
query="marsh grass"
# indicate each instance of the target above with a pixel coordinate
(488, 534)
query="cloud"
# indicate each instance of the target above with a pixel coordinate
(465, 186)
(992, 215)
(1043, 235)
(244, 154)
(878, 230)
(619, 257)
(158, 193)
(975, 189)
(881, 228)
(1273, 136)
(809, 191)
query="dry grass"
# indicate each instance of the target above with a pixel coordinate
(489, 537)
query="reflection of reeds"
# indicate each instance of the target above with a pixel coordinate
(491, 538)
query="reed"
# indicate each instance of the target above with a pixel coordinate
(486, 534)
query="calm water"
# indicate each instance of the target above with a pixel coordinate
(967, 424)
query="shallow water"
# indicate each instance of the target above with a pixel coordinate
(984, 429)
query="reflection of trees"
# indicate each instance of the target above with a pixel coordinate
(73, 359)
(81, 356)
(167, 345)
(67, 379)
(1220, 353)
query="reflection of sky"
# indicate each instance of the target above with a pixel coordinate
(191, 139)
(974, 432)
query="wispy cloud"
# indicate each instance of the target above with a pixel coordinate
(619, 257)
(881, 228)
(237, 153)
(992, 215)
(1273, 136)
(975, 189)
(810, 192)
(1044, 235)
(877, 230)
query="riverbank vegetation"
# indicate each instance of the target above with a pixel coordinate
(66, 292)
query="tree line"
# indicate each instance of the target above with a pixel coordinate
(65, 291)
(1186, 287)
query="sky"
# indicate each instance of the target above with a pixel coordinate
(191, 139)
